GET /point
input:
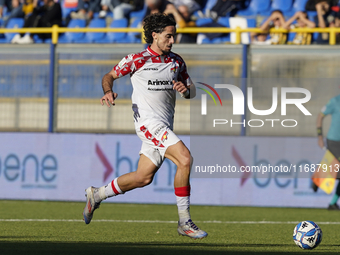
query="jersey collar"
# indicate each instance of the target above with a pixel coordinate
(154, 53)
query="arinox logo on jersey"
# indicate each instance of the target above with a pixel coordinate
(157, 82)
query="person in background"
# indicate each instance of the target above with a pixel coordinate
(158, 6)
(222, 8)
(107, 6)
(182, 16)
(333, 139)
(86, 9)
(323, 10)
(302, 21)
(43, 16)
(190, 5)
(28, 7)
(326, 17)
(3, 4)
(164, 6)
(16, 12)
(275, 20)
(120, 9)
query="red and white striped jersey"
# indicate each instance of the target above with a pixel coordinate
(153, 97)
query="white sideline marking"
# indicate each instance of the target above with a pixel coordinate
(161, 221)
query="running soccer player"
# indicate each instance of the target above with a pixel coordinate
(156, 74)
(333, 139)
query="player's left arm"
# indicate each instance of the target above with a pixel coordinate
(184, 84)
(192, 91)
(187, 92)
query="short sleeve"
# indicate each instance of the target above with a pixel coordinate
(125, 66)
(329, 107)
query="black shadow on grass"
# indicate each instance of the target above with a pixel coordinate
(2, 238)
(53, 248)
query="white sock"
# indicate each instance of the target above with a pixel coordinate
(183, 205)
(109, 190)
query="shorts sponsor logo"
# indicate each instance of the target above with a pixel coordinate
(159, 130)
(150, 137)
(165, 136)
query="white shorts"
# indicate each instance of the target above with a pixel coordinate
(156, 139)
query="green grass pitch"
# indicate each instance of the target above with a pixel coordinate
(152, 229)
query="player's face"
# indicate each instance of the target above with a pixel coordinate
(163, 41)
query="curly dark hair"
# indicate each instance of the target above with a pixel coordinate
(156, 23)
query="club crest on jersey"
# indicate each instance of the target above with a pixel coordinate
(165, 136)
(173, 70)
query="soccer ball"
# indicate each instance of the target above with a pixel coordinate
(307, 235)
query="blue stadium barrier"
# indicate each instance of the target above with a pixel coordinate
(91, 37)
(114, 37)
(66, 11)
(5, 85)
(256, 7)
(13, 23)
(202, 21)
(224, 21)
(65, 86)
(134, 37)
(40, 86)
(209, 5)
(283, 5)
(24, 81)
(138, 14)
(23, 85)
(84, 86)
(70, 37)
(291, 37)
(298, 5)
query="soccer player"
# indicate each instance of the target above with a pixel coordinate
(333, 138)
(156, 74)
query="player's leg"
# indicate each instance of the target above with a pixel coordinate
(333, 204)
(334, 148)
(141, 177)
(180, 155)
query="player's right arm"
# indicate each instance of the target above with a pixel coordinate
(319, 130)
(107, 84)
(329, 108)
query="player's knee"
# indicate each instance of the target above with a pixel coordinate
(185, 161)
(146, 181)
(143, 181)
